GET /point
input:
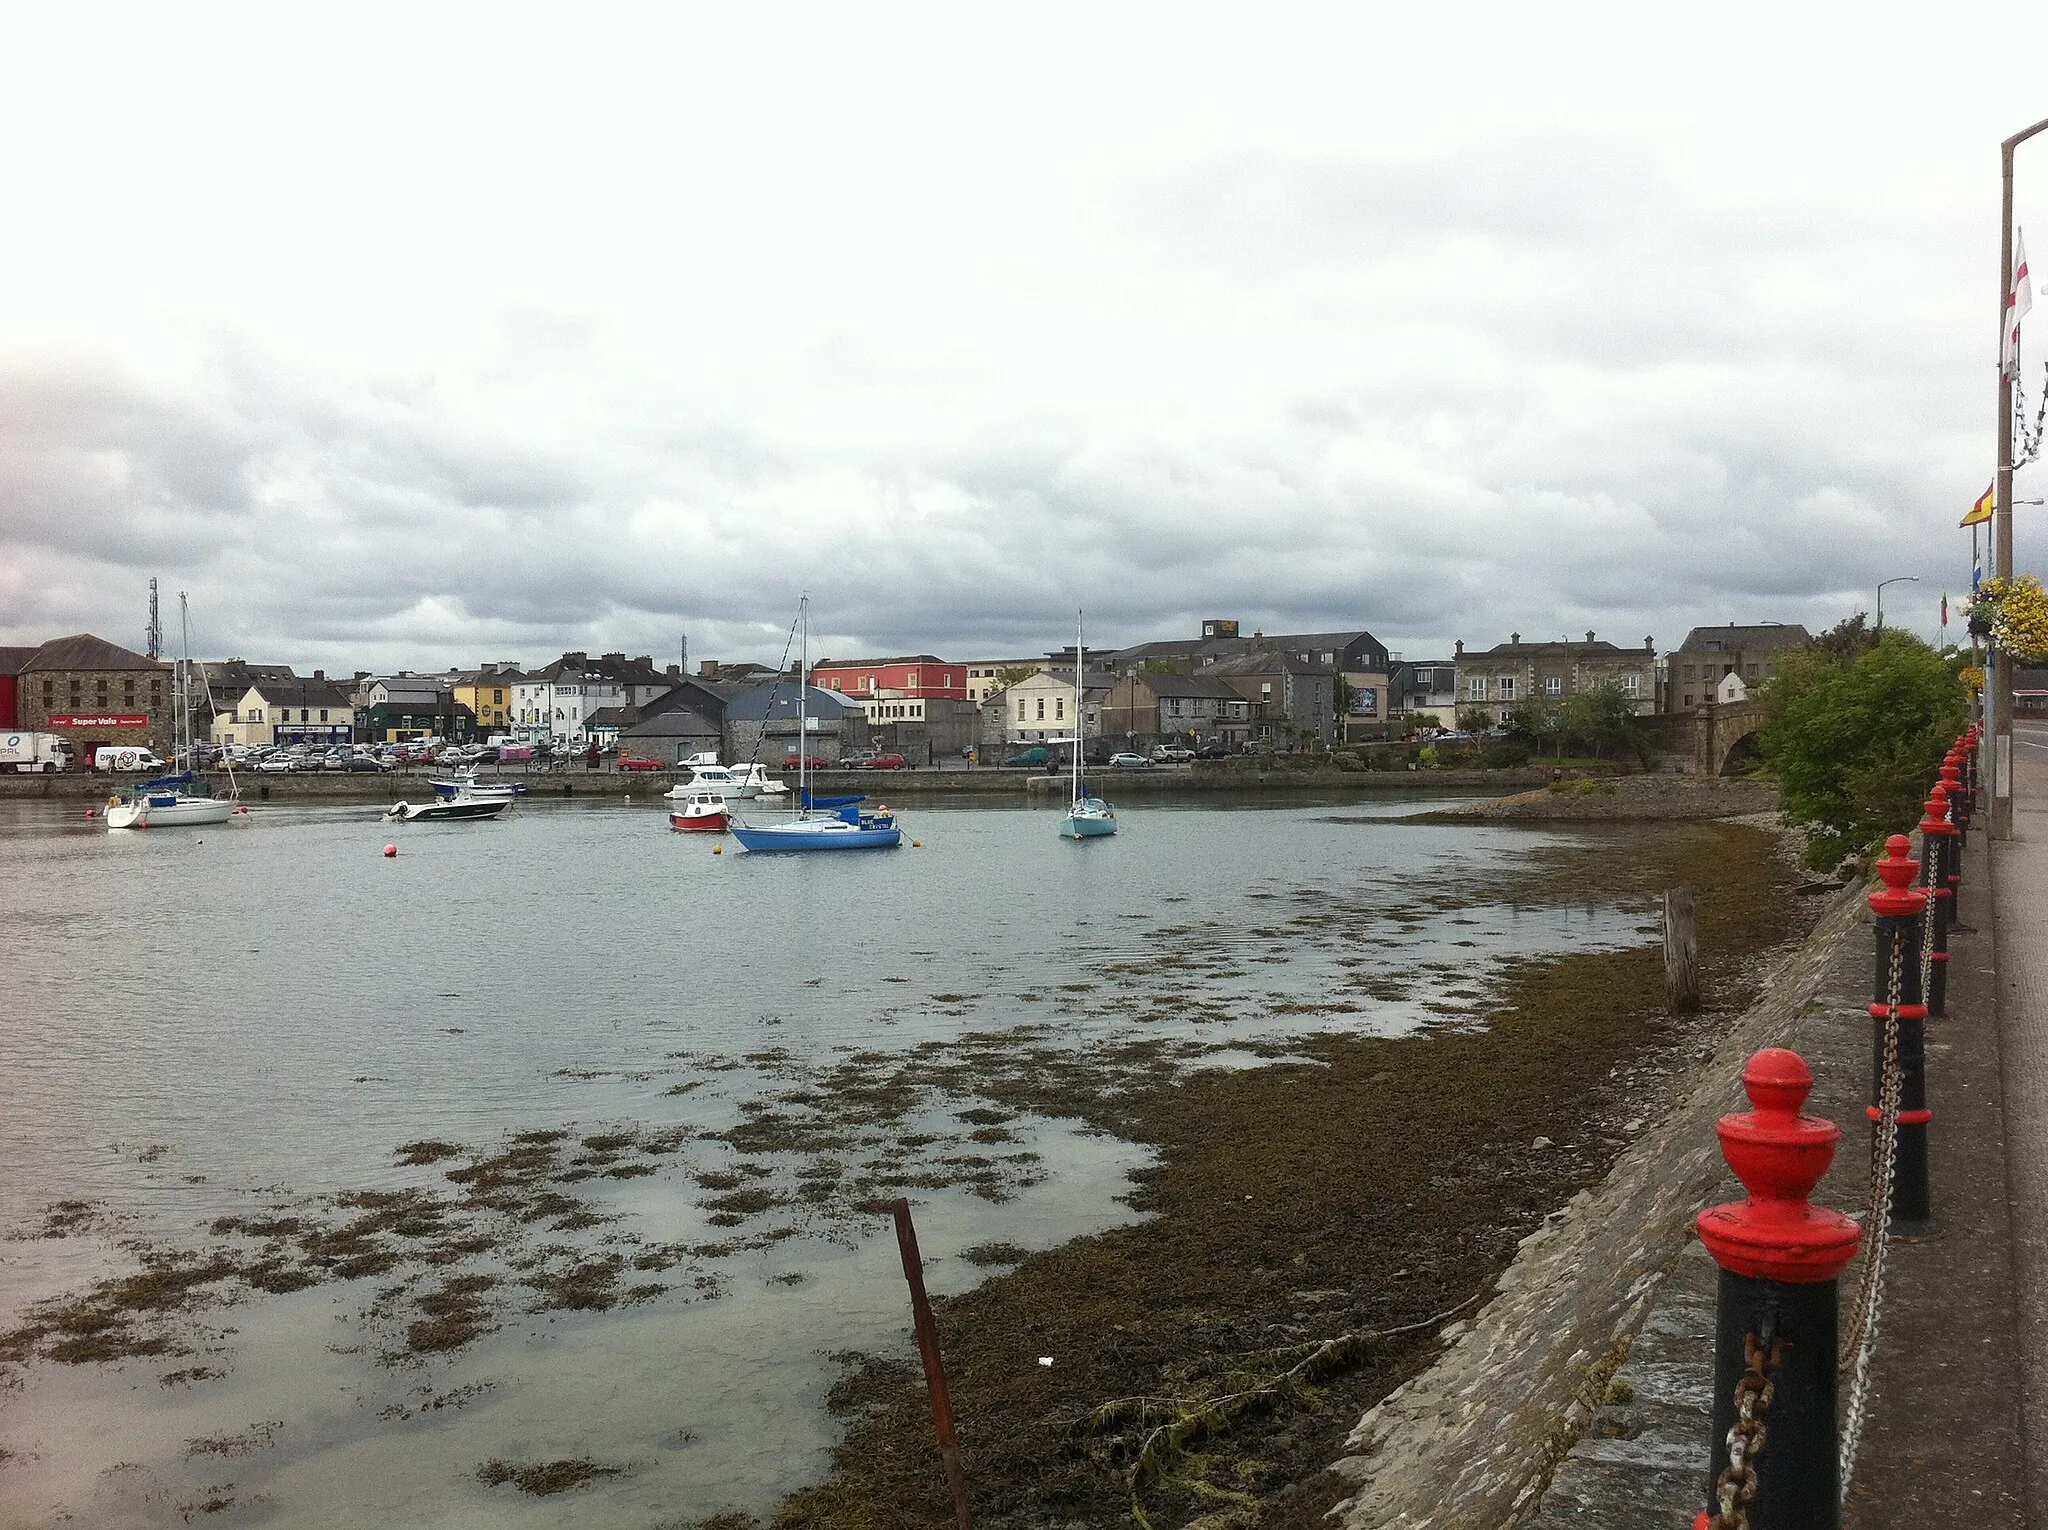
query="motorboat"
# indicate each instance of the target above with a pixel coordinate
(700, 813)
(465, 783)
(1087, 816)
(706, 778)
(754, 781)
(450, 809)
(818, 823)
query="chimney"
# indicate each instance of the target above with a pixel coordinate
(1649, 645)
(675, 672)
(1589, 634)
(707, 669)
(319, 674)
(1461, 649)
(1514, 639)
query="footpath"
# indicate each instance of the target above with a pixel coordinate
(1581, 1396)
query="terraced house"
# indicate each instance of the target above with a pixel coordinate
(1508, 674)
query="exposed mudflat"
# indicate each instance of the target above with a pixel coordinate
(1315, 1221)
(1619, 799)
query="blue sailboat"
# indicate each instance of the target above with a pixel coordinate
(818, 823)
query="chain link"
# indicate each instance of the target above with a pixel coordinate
(1753, 1394)
(1868, 1306)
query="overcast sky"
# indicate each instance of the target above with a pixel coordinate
(417, 336)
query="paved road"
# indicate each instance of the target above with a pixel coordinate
(2020, 876)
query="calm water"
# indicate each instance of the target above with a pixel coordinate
(208, 1023)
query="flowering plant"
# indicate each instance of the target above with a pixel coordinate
(2016, 613)
(1972, 678)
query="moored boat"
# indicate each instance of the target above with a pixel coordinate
(1087, 816)
(706, 778)
(700, 813)
(465, 783)
(438, 811)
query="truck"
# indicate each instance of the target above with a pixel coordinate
(44, 752)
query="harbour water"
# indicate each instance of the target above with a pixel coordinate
(686, 1080)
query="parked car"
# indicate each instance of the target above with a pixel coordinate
(1171, 754)
(1125, 761)
(790, 761)
(1030, 757)
(885, 762)
(277, 764)
(1214, 752)
(365, 762)
(636, 762)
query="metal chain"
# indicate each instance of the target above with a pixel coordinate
(1753, 1394)
(1865, 1312)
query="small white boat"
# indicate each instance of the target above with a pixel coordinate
(706, 778)
(465, 784)
(700, 813)
(754, 781)
(447, 811)
(163, 803)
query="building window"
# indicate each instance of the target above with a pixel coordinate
(323, 714)
(1041, 709)
(498, 698)
(1507, 688)
(1553, 685)
(1631, 685)
(1020, 709)
(1059, 709)
(1173, 706)
(1688, 698)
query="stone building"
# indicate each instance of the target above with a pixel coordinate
(1508, 674)
(96, 694)
(1695, 669)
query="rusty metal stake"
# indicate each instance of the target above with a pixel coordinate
(934, 1367)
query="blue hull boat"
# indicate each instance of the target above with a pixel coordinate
(819, 834)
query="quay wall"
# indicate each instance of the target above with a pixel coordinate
(1473, 1440)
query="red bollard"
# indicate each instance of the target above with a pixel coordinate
(1775, 1317)
(1941, 847)
(1900, 907)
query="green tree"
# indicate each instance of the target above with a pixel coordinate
(1009, 675)
(1855, 738)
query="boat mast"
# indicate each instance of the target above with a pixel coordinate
(803, 679)
(1080, 658)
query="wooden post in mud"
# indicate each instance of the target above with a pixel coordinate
(1681, 952)
(934, 1367)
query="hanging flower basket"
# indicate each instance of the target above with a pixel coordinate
(2013, 614)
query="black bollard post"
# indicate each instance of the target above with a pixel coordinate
(1899, 908)
(1775, 1320)
(1940, 847)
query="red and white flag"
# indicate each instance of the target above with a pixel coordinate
(2017, 303)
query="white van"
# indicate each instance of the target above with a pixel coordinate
(125, 757)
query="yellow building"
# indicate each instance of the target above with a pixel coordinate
(487, 693)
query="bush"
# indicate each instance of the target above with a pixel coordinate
(1507, 754)
(1856, 741)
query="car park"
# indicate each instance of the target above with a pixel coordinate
(1126, 761)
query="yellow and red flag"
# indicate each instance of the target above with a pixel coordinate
(1981, 511)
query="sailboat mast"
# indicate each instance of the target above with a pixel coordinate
(803, 680)
(1080, 659)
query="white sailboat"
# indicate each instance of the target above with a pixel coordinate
(169, 802)
(1087, 817)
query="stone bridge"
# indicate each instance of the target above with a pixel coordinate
(1724, 736)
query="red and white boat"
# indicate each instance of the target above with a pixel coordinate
(699, 813)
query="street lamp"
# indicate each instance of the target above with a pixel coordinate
(1899, 579)
(1998, 678)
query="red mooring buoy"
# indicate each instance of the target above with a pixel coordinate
(389, 851)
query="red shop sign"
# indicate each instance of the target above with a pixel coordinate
(98, 721)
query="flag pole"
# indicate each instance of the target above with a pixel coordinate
(1999, 676)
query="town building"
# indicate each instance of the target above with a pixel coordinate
(488, 693)
(226, 682)
(1291, 699)
(760, 723)
(1040, 708)
(675, 726)
(1694, 670)
(1425, 691)
(554, 704)
(987, 676)
(1148, 707)
(289, 711)
(1508, 674)
(11, 662)
(895, 690)
(395, 708)
(96, 693)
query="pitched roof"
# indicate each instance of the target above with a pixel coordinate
(908, 658)
(297, 692)
(84, 651)
(13, 659)
(1563, 649)
(677, 722)
(1267, 662)
(1188, 685)
(1763, 636)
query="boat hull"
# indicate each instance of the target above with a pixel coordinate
(822, 836)
(1086, 826)
(698, 823)
(189, 810)
(448, 812)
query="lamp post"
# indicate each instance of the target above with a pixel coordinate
(1898, 579)
(1999, 679)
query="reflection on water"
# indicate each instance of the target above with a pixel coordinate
(252, 1017)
